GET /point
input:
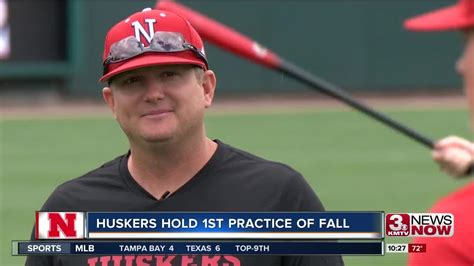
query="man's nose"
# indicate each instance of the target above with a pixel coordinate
(155, 91)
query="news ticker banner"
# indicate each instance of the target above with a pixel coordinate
(57, 247)
(209, 225)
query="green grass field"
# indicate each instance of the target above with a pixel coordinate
(352, 162)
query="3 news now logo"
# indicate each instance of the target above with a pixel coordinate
(59, 225)
(419, 224)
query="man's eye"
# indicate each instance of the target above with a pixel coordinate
(168, 74)
(131, 80)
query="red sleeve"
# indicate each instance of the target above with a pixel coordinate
(455, 250)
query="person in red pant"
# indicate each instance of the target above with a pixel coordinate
(453, 154)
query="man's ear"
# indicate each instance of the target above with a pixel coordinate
(209, 87)
(108, 96)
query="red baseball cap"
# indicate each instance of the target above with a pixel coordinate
(142, 26)
(454, 17)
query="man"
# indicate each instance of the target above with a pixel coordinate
(454, 154)
(159, 86)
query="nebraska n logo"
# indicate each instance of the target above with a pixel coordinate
(59, 225)
(67, 226)
(140, 30)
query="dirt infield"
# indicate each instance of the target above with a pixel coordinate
(255, 104)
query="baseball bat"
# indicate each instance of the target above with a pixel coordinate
(240, 45)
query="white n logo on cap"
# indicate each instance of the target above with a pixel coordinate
(140, 30)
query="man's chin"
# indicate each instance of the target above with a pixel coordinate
(154, 138)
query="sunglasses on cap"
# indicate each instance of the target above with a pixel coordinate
(162, 42)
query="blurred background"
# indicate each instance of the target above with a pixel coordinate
(51, 59)
(55, 46)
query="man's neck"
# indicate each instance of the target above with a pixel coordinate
(165, 168)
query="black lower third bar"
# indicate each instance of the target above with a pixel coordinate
(197, 247)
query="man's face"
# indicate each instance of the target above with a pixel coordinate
(161, 103)
(465, 67)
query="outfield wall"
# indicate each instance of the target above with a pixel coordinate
(356, 44)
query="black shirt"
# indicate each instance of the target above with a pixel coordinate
(232, 180)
